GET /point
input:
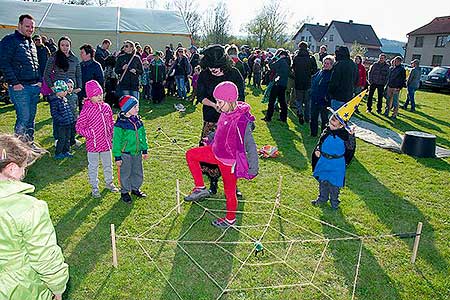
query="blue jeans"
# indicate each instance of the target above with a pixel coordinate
(181, 86)
(410, 97)
(335, 104)
(25, 103)
(129, 92)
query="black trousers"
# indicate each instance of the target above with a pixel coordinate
(277, 92)
(316, 111)
(380, 92)
(157, 92)
(63, 133)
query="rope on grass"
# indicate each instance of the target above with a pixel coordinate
(218, 242)
(357, 270)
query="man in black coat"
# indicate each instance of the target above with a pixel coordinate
(304, 67)
(378, 76)
(20, 66)
(344, 78)
(43, 53)
(396, 81)
(102, 53)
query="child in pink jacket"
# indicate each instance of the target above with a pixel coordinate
(96, 124)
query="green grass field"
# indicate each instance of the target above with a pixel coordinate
(385, 193)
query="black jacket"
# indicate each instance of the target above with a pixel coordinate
(90, 70)
(181, 66)
(349, 142)
(344, 77)
(304, 68)
(208, 82)
(101, 55)
(43, 54)
(19, 60)
(129, 81)
(61, 111)
(397, 77)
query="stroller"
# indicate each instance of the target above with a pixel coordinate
(4, 95)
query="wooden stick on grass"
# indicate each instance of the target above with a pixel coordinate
(113, 243)
(416, 242)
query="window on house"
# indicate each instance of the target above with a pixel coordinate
(419, 42)
(416, 56)
(309, 39)
(331, 37)
(303, 38)
(437, 60)
(440, 41)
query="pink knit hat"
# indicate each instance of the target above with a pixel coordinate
(93, 88)
(226, 91)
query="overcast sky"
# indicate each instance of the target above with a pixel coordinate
(390, 19)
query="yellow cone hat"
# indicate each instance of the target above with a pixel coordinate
(346, 111)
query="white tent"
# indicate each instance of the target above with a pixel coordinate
(92, 24)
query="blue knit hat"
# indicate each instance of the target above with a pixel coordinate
(127, 102)
(60, 86)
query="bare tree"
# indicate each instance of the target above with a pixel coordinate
(150, 4)
(189, 11)
(269, 26)
(217, 24)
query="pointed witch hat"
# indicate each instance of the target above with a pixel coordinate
(345, 112)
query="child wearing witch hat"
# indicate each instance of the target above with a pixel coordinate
(129, 148)
(334, 152)
(231, 147)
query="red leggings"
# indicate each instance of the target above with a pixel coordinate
(204, 154)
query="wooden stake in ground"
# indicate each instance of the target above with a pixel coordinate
(178, 198)
(416, 242)
(278, 197)
(113, 243)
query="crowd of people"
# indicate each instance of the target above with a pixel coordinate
(81, 92)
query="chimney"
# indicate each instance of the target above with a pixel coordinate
(350, 21)
(318, 23)
(326, 24)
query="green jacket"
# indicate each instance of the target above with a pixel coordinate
(31, 263)
(129, 136)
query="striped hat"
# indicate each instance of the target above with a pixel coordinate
(127, 102)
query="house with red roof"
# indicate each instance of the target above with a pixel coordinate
(430, 43)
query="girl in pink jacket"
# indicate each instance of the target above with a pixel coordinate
(96, 124)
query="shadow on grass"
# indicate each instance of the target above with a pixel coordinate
(372, 280)
(93, 246)
(285, 139)
(60, 170)
(396, 213)
(42, 123)
(402, 126)
(4, 108)
(188, 279)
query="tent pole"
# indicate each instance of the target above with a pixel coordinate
(117, 28)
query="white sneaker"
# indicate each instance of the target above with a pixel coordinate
(78, 143)
(96, 193)
(112, 188)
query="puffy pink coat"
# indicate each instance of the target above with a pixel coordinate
(96, 124)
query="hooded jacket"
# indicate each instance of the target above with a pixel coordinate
(96, 124)
(61, 111)
(129, 136)
(31, 263)
(344, 77)
(304, 66)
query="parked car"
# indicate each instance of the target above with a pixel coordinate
(424, 71)
(439, 78)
